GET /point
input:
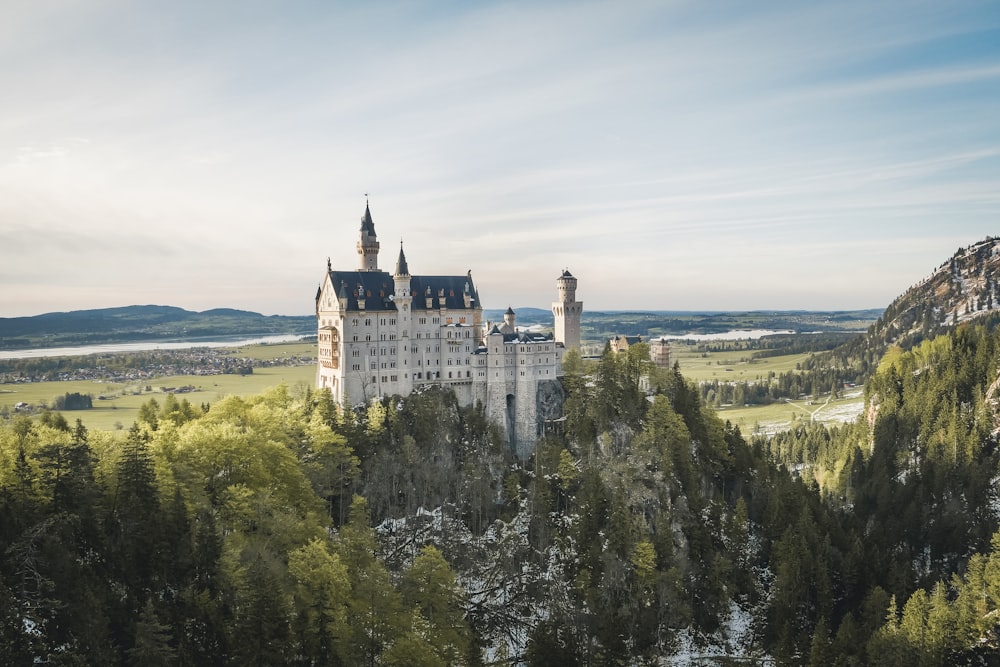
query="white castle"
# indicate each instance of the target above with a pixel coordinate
(381, 334)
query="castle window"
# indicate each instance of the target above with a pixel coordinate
(436, 320)
(449, 375)
(393, 377)
(448, 320)
(373, 351)
(462, 320)
(423, 320)
(355, 338)
(392, 350)
(354, 322)
(356, 367)
(385, 378)
(392, 320)
(374, 366)
(368, 322)
(368, 337)
(449, 362)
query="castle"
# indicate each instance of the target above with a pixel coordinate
(381, 333)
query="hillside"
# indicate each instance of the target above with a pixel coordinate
(962, 288)
(137, 323)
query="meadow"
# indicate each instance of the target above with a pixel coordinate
(120, 403)
(700, 365)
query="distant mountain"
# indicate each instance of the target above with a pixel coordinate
(137, 323)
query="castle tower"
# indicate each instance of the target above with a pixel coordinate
(403, 299)
(368, 244)
(567, 311)
(509, 321)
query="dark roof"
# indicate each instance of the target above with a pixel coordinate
(453, 288)
(522, 336)
(510, 311)
(366, 222)
(377, 286)
(566, 274)
(527, 337)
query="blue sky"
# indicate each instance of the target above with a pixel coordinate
(672, 155)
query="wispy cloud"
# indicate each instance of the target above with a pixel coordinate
(743, 145)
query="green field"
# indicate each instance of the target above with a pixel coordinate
(267, 351)
(120, 411)
(730, 365)
(739, 366)
(765, 419)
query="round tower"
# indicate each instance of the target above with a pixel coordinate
(510, 320)
(567, 311)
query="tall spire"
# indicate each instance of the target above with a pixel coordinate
(401, 267)
(366, 221)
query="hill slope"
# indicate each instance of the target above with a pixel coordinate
(134, 323)
(962, 288)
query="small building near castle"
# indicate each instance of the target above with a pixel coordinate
(659, 352)
(622, 343)
(381, 333)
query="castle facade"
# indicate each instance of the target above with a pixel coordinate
(381, 333)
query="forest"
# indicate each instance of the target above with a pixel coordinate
(282, 529)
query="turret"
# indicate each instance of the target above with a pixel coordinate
(401, 280)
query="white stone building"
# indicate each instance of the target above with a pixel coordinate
(381, 334)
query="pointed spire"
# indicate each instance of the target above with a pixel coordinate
(401, 268)
(367, 225)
